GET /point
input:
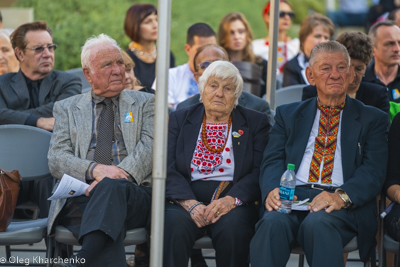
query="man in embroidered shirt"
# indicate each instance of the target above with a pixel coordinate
(93, 143)
(384, 69)
(339, 149)
(181, 81)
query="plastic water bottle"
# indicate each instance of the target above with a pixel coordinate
(286, 189)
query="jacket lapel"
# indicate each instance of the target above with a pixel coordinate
(350, 131)
(83, 115)
(303, 125)
(45, 87)
(126, 104)
(239, 144)
(190, 134)
(18, 84)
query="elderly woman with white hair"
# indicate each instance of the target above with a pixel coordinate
(214, 153)
(8, 61)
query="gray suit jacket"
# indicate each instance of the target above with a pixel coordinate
(73, 133)
(246, 100)
(14, 95)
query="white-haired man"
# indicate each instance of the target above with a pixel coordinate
(339, 148)
(103, 138)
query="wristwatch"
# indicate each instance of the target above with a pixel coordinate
(345, 198)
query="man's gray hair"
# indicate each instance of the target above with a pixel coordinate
(329, 47)
(94, 41)
(374, 28)
(223, 70)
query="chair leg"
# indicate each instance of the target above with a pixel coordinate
(301, 260)
(70, 250)
(49, 251)
(8, 252)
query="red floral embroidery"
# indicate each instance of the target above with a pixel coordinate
(206, 161)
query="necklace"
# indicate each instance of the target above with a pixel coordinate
(136, 48)
(204, 136)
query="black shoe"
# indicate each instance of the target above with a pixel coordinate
(74, 261)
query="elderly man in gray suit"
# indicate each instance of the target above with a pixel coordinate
(27, 96)
(103, 138)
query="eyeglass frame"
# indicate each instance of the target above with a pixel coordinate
(40, 49)
(283, 14)
(209, 63)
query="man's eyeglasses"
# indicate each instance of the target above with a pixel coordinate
(282, 14)
(40, 49)
(204, 65)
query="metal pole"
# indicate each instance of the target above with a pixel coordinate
(273, 48)
(160, 134)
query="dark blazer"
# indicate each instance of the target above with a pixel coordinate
(370, 94)
(14, 95)
(364, 156)
(292, 73)
(246, 100)
(183, 130)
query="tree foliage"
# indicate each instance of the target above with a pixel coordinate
(73, 21)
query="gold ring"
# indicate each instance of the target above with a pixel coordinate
(327, 203)
(216, 214)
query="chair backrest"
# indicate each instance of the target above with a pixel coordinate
(24, 148)
(251, 74)
(78, 72)
(289, 94)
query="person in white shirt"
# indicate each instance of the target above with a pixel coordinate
(181, 82)
(287, 47)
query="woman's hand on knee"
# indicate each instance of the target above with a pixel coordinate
(197, 215)
(219, 207)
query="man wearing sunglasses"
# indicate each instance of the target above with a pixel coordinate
(181, 82)
(27, 96)
(203, 58)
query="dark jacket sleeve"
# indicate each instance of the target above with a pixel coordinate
(383, 101)
(247, 188)
(393, 169)
(291, 73)
(177, 185)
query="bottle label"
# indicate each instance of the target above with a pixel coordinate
(286, 193)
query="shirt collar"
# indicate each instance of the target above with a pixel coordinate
(98, 99)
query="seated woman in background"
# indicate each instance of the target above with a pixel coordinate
(141, 26)
(235, 35)
(314, 29)
(8, 61)
(214, 153)
(359, 46)
(287, 47)
(131, 82)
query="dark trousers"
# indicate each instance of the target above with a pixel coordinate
(392, 222)
(321, 235)
(113, 207)
(37, 191)
(231, 234)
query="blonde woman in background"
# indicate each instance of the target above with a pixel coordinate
(235, 36)
(131, 82)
